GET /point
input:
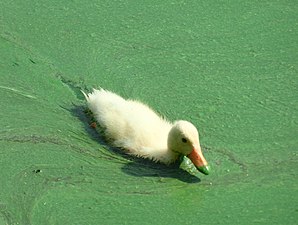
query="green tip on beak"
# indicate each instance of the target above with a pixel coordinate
(203, 169)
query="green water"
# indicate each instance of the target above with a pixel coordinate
(228, 67)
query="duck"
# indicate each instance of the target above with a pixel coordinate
(140, 131)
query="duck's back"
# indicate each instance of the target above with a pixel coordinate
(129, 124)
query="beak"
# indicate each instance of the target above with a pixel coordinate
(199, 161)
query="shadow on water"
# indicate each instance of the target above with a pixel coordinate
(82, 113)
(137, 167)
(145, 168)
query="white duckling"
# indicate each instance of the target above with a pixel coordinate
(135, 127)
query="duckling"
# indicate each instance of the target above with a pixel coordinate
(133, 126)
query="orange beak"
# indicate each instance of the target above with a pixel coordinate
(199, 161)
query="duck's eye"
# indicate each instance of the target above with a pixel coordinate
(184, 140)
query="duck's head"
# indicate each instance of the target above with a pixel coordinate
(184, 139)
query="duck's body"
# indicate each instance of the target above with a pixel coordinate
(135, 127)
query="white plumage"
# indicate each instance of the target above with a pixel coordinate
(135, 127)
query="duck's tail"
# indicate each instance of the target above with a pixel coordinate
(85, 95)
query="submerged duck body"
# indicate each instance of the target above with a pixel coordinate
(135, 127)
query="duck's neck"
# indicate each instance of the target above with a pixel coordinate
(172, 156)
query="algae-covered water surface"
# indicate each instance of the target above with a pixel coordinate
(228, 67)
